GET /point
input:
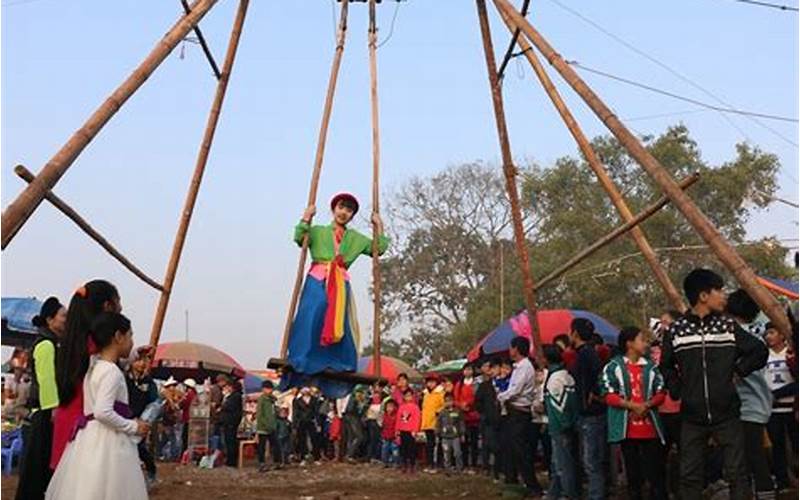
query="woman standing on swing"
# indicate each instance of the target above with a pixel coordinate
(325, 331)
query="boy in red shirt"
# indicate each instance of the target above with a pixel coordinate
(389, 434)
(633, 388)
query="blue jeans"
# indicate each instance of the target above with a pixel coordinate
(389, 452)
(454, 445)
(592, 435)
(562, 479)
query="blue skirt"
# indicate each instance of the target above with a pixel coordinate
(307, 356)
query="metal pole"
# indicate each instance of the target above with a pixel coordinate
(312, 192)
(203, 44)
(613, 235)
(599, 169)
(60, 204)
(376, 160)
(199, 169)
(704, 227)
(510, 172)
(18, 212)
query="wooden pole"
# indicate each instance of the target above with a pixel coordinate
(704, 227)
(510, 172)
(312, 192)
(599, 170)
(71, 214)
(199, 169)
(376, 161)
(18, 212)
(613, 235)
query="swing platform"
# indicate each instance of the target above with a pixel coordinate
(282, 365)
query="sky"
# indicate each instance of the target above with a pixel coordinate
(61, 59)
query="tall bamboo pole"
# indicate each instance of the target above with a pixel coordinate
(715, 240)
(510, 172)
(645, 214)
(312, 192)
(599, 170)
(376, 161)
(199, 169)
(18, 212)
(71, 214)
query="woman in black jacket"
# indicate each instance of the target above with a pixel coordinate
(230, 417)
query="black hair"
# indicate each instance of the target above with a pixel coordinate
(407, 392)
(391, 402)
(552, 353)
(583, 327)
(506, 361)
(348, 203)
(106, 325)
(741, 305)
(49, 309)
(267, 384)
(494, 362)
(382, 383)
(402, 375)
(562, 338)
(521, 344)
(627, 334)
(72, 356)
(597, 339)
(448, 395)
(699, 281)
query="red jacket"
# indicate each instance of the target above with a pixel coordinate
(408, 418)
(389, 429)
(464, 395)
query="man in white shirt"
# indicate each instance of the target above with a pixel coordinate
(518, 399)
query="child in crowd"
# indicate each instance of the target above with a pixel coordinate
(450, 429)
(464, 398)
(489, 410)
(389, 447)
(703, 378)
(782, 420)
(561, 405)
(408, 421)
(756, 399)
(267, 427)
(501, 383)
(335, 432)
(102, 460)
(432, 404)
(632, 387)
(373, 426)
(283, 428)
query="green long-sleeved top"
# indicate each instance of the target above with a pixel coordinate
(266, 418)
(320, 243)
(44, 356)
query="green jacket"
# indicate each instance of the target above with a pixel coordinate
(560, 400)
(616, 379)
(320, 243)
(266, 419)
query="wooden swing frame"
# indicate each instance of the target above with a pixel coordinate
(529, 41)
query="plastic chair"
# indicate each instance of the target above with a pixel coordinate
(8, 454)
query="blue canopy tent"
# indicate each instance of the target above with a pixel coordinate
(17, 313)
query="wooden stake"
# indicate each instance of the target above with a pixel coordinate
(510, 172)
(199, 169)
(704, 227)
(65, 209)
(376, 160)
(18, 212)
(613, 235)
(599, 170)
(312, 192)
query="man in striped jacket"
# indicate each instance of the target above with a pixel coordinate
(704, 353)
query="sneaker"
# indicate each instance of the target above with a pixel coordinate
(302, 463)
(263, 468)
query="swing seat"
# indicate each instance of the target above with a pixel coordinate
(332, 383)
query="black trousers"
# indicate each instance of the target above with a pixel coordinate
(231, 445)
(694, 441)
(430, 448)
(355, 435)
(781, 424)
(520, 461)
(756, 456)
(644, 461)
(274, 448)
(307, 431)
(34, 465)
(539, 435)
(470, 448)
(374, 440)
(408, 449)
(489, 448)
(672, 434)
(146, 458)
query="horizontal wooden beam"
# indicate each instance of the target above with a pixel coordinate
(65, 209)
(352, 377)
(613, 235)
